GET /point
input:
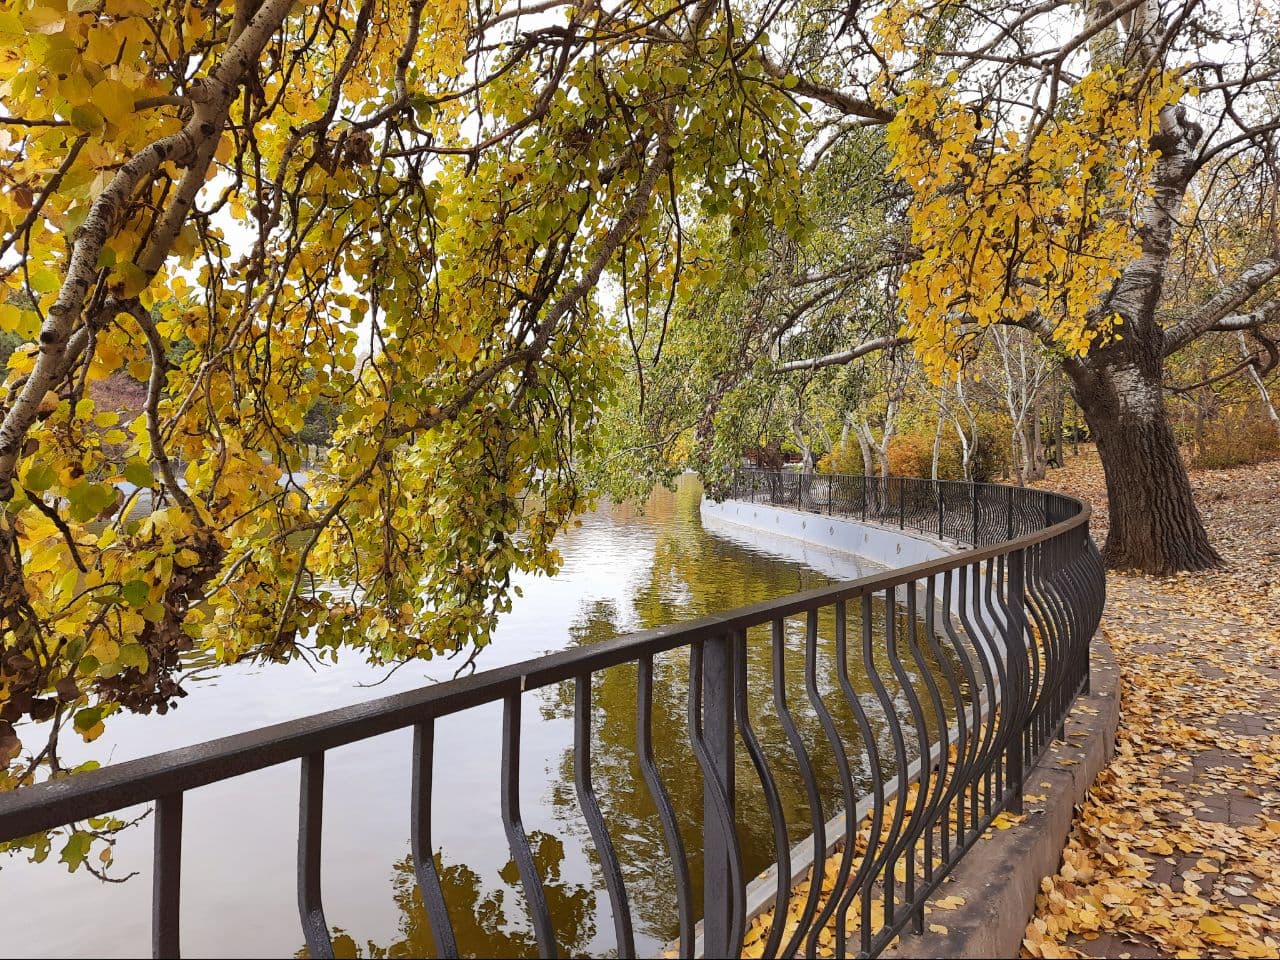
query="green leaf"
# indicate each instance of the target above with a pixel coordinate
(40, 478)
(135, 592)
(138, 472)
(86, 118)
(76, 849)
(134, 655)
(89, 717)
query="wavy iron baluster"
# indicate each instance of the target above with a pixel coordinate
(517, 840)
(777, 819)
(810, 785)
(948, 783)
(846, 784)
(968, 734)
(915, 823)
(595, 820)
(662, 801)
(862, 878)
(881, 863)
(424, 860)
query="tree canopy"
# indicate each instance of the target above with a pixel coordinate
(505, 255)
(400, 209)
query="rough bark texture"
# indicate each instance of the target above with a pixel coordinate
(1154, 523)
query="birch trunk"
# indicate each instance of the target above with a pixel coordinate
(1263, 393)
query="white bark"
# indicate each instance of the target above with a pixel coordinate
(868, 466)
(1219, 311)
(1025, 370)
(844, 356)
(937, 448)
(1263, 393)
(191, 149)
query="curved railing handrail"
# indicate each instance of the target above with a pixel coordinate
(51, 804)
(1061, 593)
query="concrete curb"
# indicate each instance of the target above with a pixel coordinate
(1000, 875)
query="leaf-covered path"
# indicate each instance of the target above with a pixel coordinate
(1176, 852)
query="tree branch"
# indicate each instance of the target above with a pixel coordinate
(844, 356)
(212, 98)
(844, 102)
(1218, 312)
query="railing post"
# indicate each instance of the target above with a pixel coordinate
(166, 877)
(974, 487)
(938, 486)
(717, 731)
(902, 503)
(1008, 510)
(864, 498)
(1016, 652)
(830, 483)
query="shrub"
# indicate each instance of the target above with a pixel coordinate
(1235, 440)
(844, 458)
(911, 455)
(911, 452)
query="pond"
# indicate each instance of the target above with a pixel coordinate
(624, 569)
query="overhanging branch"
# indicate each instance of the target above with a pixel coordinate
(1220, 311)
(844, 356)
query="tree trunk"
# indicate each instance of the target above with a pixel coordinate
(868, 466)
(1154, 523)
(1036, 468)
(937, 449)
(1018, 453)
(1261, 384)
(1055, 429)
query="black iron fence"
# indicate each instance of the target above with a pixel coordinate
(978, 514)
(957, 674)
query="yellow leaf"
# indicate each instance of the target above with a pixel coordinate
(114, 99)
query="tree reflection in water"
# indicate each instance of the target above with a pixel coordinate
(488, 920)
(689, 578)
(623, 573)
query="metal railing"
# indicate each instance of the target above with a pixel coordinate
(968, 666)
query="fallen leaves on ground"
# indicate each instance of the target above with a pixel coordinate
(756, 937)
(1176, 851)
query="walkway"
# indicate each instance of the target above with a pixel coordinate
(1177, 851)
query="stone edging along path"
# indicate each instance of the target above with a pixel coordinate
(994, 886)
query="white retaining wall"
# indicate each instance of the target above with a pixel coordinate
(883, 545)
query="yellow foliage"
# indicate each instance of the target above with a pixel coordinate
(1018, 226)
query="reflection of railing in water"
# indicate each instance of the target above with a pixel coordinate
(930, 675)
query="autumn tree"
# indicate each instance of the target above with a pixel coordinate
(1053, 198)
(1055, 157)
(397, 210)
(750, 348)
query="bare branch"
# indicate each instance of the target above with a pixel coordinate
(844, 356)
(1217, 313)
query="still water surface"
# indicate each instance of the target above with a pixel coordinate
(624, 570)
